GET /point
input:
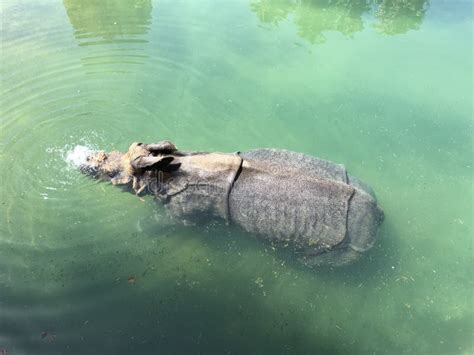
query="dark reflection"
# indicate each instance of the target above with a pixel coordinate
(313, 18)
(177, 305)
(180, 306)
(109, 20)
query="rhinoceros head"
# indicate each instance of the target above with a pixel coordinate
(134, 166)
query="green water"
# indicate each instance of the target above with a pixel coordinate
(383, 86)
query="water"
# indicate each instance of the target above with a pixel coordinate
(384, 87)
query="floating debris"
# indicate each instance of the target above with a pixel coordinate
(46, 336)
(131, 280)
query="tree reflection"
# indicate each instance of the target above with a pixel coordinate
(399, 16)
(315, 17)
(341, 16)
(272, 12)
(108, 19)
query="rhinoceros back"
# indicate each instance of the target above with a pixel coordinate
(307, 165)
(289, 196)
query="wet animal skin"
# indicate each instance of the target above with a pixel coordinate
(288, 198)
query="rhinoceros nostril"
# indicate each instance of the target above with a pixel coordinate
(88, 169)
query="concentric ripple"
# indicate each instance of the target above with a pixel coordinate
(96, 75)
(380, 86)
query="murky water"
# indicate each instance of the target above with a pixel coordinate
(383, 86)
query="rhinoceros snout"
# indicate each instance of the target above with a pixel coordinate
(101, 165)
(93, 163)
(89, 169)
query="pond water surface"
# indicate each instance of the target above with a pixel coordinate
(382, 86)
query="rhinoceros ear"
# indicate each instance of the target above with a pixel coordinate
(152, 163)
(163, 147)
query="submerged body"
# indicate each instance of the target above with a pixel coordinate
(290, 198)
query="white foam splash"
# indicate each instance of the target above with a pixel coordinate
(78, 155)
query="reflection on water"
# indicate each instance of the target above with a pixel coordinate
(315, 17)
(111, 20)
(116, 27)
(400, 16)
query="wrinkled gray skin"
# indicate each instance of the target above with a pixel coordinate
(327, 216)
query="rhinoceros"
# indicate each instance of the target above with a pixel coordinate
(326, 215)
